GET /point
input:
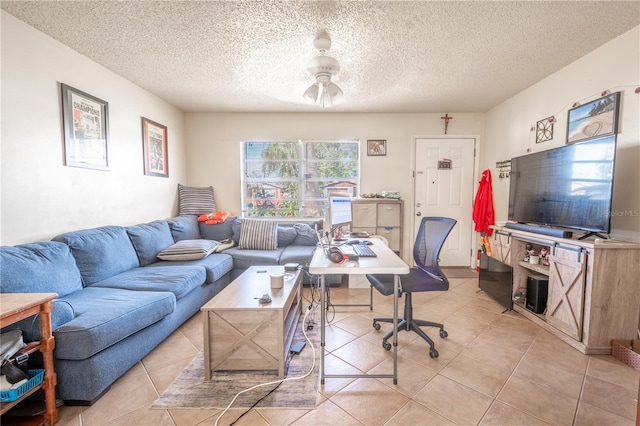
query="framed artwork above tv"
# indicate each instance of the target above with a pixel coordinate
(595, 119)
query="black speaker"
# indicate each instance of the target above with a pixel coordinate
(537, 290)
(551, 232)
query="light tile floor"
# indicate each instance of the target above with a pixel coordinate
(495, 368)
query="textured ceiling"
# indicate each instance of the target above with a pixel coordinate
(417, 56)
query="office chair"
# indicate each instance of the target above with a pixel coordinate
(425, 276)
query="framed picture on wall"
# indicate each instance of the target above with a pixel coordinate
(595, 119)
(86, 129)
(377, 147)
(154, 145)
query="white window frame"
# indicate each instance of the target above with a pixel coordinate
(302, 180)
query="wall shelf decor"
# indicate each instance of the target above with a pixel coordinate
(544, 129)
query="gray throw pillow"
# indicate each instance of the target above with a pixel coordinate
(189, 250)
(258, 234)
(306, 235)
(286, 235)
(196, 200)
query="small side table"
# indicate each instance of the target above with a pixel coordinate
(18, 306)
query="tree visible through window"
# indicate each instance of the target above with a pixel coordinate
(295, 179)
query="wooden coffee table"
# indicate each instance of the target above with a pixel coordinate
(242, 334)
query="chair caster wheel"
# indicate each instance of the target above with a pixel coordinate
(386, 346)
(433, 353)
(443, 333)
(376, 325)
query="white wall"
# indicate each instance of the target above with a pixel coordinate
(213, 151)
(40, 196)
(614, 66)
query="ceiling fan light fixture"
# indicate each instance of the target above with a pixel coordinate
(323, 64)
(311, 94)
(323, 92)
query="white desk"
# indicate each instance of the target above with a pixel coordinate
(387, 262)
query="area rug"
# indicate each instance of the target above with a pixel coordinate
(190, 391)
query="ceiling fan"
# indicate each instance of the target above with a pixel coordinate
(323, 92)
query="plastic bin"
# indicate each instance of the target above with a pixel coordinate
(35, 378)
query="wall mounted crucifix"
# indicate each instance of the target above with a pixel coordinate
(446, 119)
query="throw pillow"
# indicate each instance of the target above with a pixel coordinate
(258, 234)
(188, 250)
(306, 235)
(286, 235)
(196, 200)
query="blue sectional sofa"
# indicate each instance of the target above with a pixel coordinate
(117, 300)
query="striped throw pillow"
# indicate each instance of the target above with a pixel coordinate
(258, 234)
(196, 200)
(188, 250)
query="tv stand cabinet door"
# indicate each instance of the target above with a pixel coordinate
(502, 247)
(565, 301)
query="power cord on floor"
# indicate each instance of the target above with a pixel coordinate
(286, 379)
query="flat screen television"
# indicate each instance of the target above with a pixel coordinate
(566, 187)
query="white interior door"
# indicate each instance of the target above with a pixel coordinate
(447, 192)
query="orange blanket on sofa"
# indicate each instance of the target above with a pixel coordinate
(213, 218)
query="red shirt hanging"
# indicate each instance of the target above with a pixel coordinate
(483, 214)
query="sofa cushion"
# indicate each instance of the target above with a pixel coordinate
(196, 200)
(297, 254)
(184, 227)
(242, 259)
(235, 227)
(179, 280)
(219, 231)
(258, 234)
(286, 235)
(188, 250)
(101, 253)
(306, 235)
(104, 316)
(149, 239)
(61, 313)
(46, 267)
(216, 265)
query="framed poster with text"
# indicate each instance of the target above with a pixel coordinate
(154, 145)
(86, 129)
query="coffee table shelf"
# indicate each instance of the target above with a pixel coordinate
(240, 334)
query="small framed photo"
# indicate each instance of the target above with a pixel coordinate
(86, 129)
(377, 147)
(154, 145)
(593, 120)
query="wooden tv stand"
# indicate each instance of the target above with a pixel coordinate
(593, 295)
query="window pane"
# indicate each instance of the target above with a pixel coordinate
(271, 169)
(331, 150)
(295, 179)
(272, 191)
